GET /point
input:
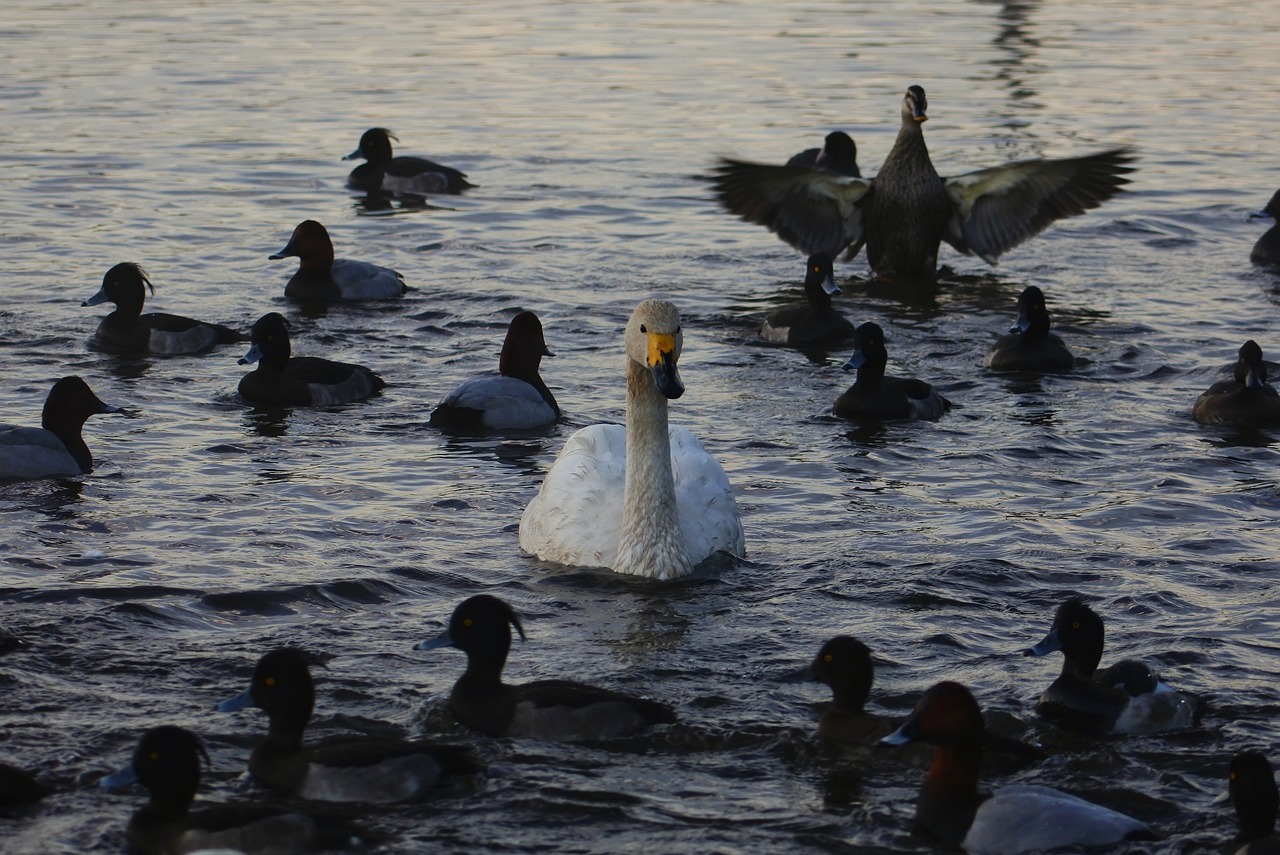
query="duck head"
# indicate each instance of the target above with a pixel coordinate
(123, 285)
(820, 275)
(269, 340)
(281, 687)
(1250, 370)
(167, 763)
(375, 146)
(946, 715)
(654, 340)
(844, 664)
(1078, 632)
(524, 347)
(311, 245)
(1033, 316)
(914, 105)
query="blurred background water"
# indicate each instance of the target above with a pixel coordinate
(193, 137)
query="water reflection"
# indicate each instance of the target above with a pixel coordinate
(267, 422)
(1017, 46)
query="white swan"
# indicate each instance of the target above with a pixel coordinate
(645, 499)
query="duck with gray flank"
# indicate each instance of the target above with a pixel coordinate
(1013, 819)
(1030, 346)
(814, 323)
(1267, 250)
(560, 710)
(343, 769)
(56, 447)
(1251, 789)
(284, 380)
(515, 399)
(323, 278)
(839, 154)
(167, 764)
(877, 397)
(1246, 400)
(127, 329)
(907, 210)
(1127, 697)
(415, 176)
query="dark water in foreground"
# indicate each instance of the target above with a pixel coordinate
(192, 139)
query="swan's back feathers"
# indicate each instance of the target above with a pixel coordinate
(708, 512)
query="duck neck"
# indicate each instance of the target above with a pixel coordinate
(871, 372)
(511, 368)
(484, 667)
(949, 797)
(909, 151)
(68, 430)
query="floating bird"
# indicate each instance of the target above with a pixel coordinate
(284, 380)
(155, 332)
(813, 323)
(877, 397)
(56, 447)
(414, 176)
(323, 278)
(1030, 346)
(1246, 400)
(1267, 250)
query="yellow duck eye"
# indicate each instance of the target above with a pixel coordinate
(270, 681)
(153, 756)
(1075, 624)
(828, 658)
(467, 622)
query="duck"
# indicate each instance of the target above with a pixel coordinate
(19, 787)
(813, 323)
(1125, 698)
(415, 176)
(1014, 818)
(876, 397)
(1030, 346)
(283, 380)
(645, 499)
(344, 769)
(322, 278)
(515, 399)
(1246, 400)
(167, 764)
(556, 710)
(127, 329)
(907, 210)
(56, 447)
(1266, 251)
(1251, 789)
(839, 154)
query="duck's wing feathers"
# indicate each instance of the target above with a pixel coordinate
(994, 210)
(360, 280)
(814, 210)
(495, 402)
(30, 452)
(1027, 818)
(708, 512)
(574, 712)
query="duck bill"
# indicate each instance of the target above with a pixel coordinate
(355, 155)
(918, 114)
(856, 361)
(119, 780)
(1048, 644)
(1254, 380)
(254, 354)
(287, 252)
(444, 639)
(1022, 324)
(662, 362)
(829, 285)
(242, 701)
(100, 297)
(908, 733)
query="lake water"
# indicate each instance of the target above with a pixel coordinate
(193, 137)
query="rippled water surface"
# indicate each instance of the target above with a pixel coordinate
(192, 137)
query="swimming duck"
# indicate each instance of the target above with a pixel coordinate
(322, 278)
(1267, 250)
(814, 323)
(1030, 346)
(1248, 400)
(1012, 819)
(282, 380)
(56, 447)
(18, 787)
(838, 154)
(155, 332)
(644, 499)
(1252, 791)
(400, 175)
(877, 397)
(560, 710)
(905, 212)
(345, 769)
(1127, 697)
(167, 764)
(517, 398)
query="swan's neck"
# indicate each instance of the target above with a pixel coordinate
(650, 543)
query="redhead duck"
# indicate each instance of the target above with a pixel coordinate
(322, 278)
(1127, 697)
(1252, 791)
(1010, 820)
(167, 764)
(907, 210)
(283, 380)
(517, 398)
(415, 176)
(814, 323)
(1247, 400)
(838, 154)
(646, 499)
(1267, 250)
(877, 397)
(155, 332)
(56, 447)
(345, 769)
(1030, 346)
(559, 710)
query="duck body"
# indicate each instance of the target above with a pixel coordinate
(1030, 346)
(877, 397)
(127, 329)
(557, 710)
(1247, 400)
(1252, 791)
(283, 380)
(373, 770)
(57, 447)
(1125, 698)
(1012, 819)
(515, 399)
(1266, 252)
(813, 323)
(385, 173)
(646, 499)
(19, 787)
(323, 278)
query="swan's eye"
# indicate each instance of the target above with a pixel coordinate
(643, 328)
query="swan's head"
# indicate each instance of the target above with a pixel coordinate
(654, 340)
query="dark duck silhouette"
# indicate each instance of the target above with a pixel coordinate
(1246, 400)
(1030, 346)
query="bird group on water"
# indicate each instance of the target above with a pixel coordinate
(646, 499)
